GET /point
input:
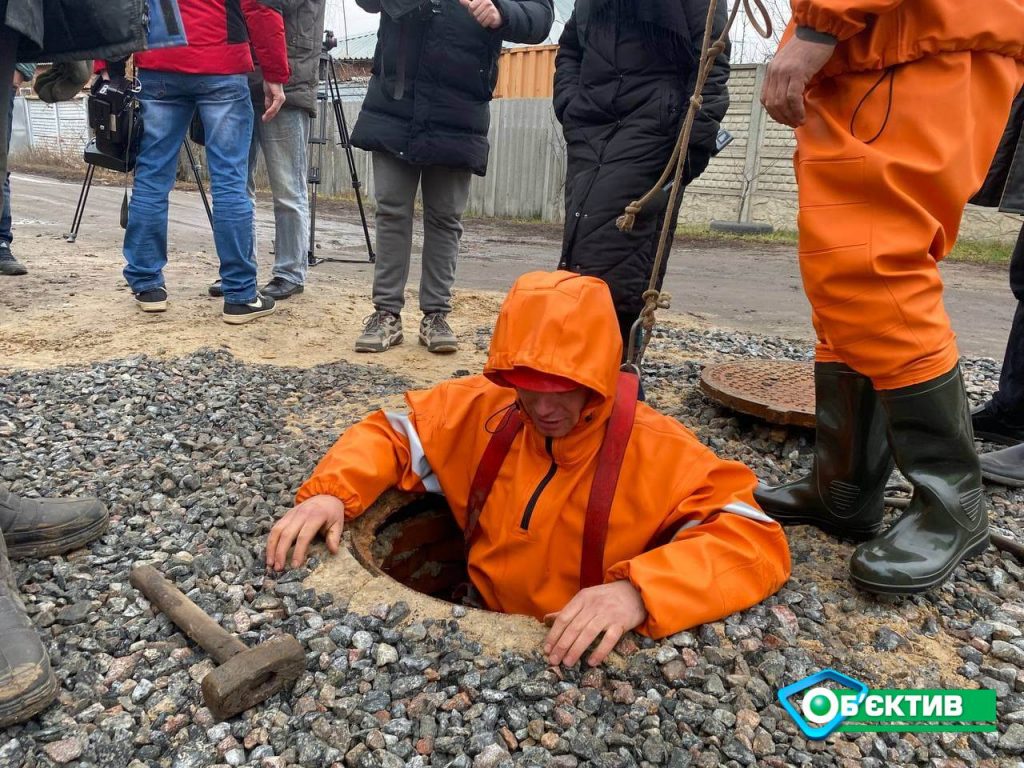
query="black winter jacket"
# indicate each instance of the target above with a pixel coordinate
(1004, 185)
(303, 31)
(434, 71)
(71, 30)
(622, 87)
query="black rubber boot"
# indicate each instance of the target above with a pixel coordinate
(844, 493)
(27, 683)
(44, 527)
(931, 437)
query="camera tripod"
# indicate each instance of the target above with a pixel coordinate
(329, 91)
(94, 159)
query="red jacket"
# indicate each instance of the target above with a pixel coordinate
(218, 33)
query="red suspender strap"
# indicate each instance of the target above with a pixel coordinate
(487, 470)
(602, 491)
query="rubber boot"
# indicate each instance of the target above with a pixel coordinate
(931, 437)
(44, 527)
(844, 493)
(27, 683)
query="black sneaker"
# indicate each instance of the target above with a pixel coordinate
(236, 314)
(153, 300)
(216, 289)
(279, 288)
(8, 264)
(992, 424)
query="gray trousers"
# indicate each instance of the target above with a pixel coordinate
(445, 193)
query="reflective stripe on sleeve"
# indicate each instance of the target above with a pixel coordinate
(401, 423)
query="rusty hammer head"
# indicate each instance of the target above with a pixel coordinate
(253, 675)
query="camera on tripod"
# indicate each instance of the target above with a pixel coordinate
(116, 121)
(330, 41)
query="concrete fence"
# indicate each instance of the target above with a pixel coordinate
(750, 181)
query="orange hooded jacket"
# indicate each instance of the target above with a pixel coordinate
(875, 34)
(726, 556)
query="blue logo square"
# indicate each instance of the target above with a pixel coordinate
(831, 717)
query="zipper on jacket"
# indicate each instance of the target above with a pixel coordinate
(524, 524)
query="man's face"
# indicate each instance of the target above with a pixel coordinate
(554, 414)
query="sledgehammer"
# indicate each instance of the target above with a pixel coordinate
(245, 676)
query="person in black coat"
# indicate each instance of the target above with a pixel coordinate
(624, 75)
(34, 31)
(1001, 419)
(425, 118)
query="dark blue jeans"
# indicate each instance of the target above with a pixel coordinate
(6, 236)
(168, 101)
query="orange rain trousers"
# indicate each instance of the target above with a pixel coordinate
(876, 216)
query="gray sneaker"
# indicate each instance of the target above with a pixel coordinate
(381, 331)
(8, 264)
(437, 335)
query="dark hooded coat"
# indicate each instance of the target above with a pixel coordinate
(624, 75)
(434, 71)
(1004, 185)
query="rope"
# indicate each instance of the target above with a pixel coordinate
(653, 298)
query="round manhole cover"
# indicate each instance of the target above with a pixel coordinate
(779, 391)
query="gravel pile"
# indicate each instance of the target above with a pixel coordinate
(197, 456)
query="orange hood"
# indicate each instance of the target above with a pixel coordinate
(560, 323)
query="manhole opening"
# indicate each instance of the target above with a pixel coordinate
(420, 545)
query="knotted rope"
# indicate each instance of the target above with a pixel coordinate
(653, 298)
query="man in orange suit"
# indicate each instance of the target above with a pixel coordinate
(898, 108)
(683, 542)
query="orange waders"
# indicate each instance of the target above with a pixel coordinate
(885, 165)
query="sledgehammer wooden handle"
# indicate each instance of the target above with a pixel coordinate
(217, 641)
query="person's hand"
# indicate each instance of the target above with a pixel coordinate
(300, 525)
(273, 100)
(787, 77)
(613, 609)
(485, 13)
(18, 79)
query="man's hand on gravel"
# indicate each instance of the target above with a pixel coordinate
(300, 525)
(612, 609)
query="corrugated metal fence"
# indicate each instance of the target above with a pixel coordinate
(751, 180)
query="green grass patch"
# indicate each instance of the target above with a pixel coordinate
(702, 232)
(969, 251)
(982, 252)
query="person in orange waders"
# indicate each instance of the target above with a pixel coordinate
(898, 108)
(580, 505)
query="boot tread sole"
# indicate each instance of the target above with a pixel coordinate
(39, 548)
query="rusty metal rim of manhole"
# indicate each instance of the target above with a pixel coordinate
(778, 391)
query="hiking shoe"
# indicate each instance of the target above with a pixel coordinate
(381, 331)
(153, 300)
(45, 527)
(216, 290)
(27, 683)
(8, 264)
(236, 314)
(437, 335)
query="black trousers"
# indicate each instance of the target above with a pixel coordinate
(1010, 397)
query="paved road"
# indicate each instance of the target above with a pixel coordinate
(729, 284)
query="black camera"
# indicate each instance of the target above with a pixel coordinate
(330, 41)
(116, 122)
